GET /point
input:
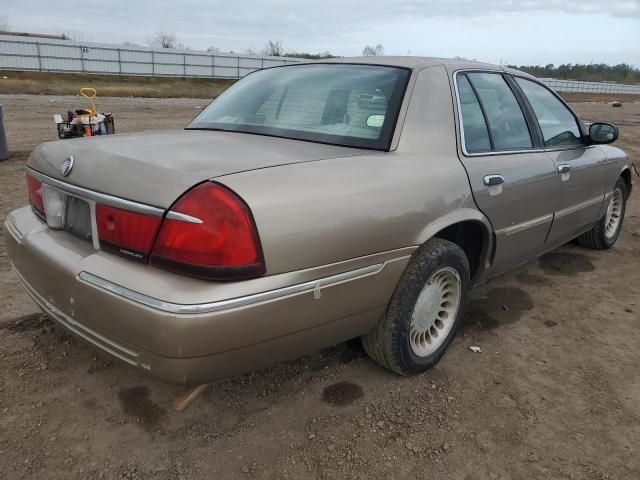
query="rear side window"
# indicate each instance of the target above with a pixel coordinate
(507, 125)
(558, 125)
(476, 134)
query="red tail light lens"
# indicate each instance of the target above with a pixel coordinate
(35, 194)
(220, 242)
(127, 233)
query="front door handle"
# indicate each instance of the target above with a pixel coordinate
(493, 180)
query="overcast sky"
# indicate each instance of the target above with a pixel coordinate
(516, 32)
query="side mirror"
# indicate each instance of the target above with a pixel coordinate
(601, 133)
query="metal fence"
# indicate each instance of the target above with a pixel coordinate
(591, 87)
(31, 54)
(49, 55)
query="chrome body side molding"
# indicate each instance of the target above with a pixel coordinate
(579, 206)
(314, 286)
(510, 230)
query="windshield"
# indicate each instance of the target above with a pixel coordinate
(341, 104)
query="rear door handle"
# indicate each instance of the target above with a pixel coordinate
(492, 180)
(565, 172)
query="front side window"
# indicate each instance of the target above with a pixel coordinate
(507, 125)
(558, 125)
(341, 104)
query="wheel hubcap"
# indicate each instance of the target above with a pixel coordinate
(614, 212)
(435, 312)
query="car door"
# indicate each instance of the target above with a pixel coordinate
(511, 177)
(580, 168)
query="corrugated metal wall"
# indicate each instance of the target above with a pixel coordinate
(47, 55)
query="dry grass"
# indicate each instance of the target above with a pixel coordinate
(50, 83)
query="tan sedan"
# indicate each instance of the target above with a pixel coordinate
(311, 204)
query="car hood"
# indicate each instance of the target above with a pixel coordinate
(157, 167)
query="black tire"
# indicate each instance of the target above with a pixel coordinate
(597, 238)
(388, 343)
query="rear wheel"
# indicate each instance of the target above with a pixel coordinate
(425, 311)
(605, 233)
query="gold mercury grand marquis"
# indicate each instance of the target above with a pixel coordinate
(310, 204)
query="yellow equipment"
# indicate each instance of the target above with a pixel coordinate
(85, 122)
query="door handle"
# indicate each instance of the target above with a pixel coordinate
(565, 172)
(492, 180)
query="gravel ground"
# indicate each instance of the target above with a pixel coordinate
(555, 392)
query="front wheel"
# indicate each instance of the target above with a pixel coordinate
(605, 233)
(425, 311)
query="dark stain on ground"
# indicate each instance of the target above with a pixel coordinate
(342, 393)
(137, 404)
(565, 263)
(342, 353)
(28, 322)
(550, 323)
(477, 317)
(533, 279)
(499, 306)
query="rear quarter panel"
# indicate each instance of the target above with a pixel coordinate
(322, 212)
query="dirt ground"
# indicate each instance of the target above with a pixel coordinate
(56, 83)
(555, 393)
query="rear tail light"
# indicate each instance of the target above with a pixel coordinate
(34, 187)
(209, 233)
(127, 233)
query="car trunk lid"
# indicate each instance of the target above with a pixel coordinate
(155, 168)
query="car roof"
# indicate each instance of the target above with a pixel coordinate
(419, 63)
(409, 62)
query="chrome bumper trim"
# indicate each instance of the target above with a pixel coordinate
(87, 334)
(13, 231)
(314, 286)
(103, 198)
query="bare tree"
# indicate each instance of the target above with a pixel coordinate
(163, 39)
(213, 49)
(4, 24)
(273, 48)
(76, 35)
(370, 51)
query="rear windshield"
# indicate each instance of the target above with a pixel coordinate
(341, 104)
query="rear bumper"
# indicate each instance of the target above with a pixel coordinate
(136, 313)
